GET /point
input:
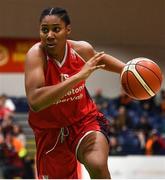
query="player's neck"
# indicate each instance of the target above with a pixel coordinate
(58, 55)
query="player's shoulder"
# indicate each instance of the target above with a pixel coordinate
(80, 45)
(35, 50)
(84, 48)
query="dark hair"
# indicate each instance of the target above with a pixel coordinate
(57, 11)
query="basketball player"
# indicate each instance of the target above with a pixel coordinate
(65, 121)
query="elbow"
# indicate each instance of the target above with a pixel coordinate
(34, 106)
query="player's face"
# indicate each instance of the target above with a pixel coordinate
(53, 32)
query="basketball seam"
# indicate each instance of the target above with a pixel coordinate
(129, 85)
(141, 84)
(152, 93)
(152, 71)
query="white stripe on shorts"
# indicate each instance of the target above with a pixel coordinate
(78, 144)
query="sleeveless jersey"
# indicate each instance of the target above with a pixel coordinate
(75, 105)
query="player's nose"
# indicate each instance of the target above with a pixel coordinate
(50, 35)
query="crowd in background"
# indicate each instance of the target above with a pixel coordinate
(136, 128)
(14, 162)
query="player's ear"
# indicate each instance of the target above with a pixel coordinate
(68, 29)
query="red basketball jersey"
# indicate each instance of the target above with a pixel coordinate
(75, 105)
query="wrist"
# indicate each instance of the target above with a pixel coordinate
(78, 77)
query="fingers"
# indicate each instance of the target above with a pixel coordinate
(97, 57)
(98, 54)
(98, 67)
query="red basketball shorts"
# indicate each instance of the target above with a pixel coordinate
(60, 162)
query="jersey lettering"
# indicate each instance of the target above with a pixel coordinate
(64, 77)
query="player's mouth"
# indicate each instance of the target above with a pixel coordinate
(50, 45)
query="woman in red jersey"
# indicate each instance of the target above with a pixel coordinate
(65, 120)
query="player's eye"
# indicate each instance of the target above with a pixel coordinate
(56, 29)
(44, 30)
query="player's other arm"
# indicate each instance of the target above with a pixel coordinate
(111, 63)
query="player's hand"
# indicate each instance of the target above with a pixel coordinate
(92, 65)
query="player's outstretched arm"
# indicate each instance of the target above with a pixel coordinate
(87, 51)
(112, 64)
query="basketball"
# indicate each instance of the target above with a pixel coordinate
(141, 78)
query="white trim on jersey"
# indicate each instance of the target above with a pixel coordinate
(79, 56)
(64, 59)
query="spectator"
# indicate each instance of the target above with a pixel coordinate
(98, 97)
(115, 148)
(144, 126)
(13, 142)
(148, 107)
(122, 120)
(12, 164)
(9, 104)
(7, 126)
(18, 134)
(5, 113)
(155, 145)
(123, 99)
(142, 140)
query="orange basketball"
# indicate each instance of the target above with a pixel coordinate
(141, 78)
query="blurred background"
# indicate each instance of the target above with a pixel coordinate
(125, 29)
